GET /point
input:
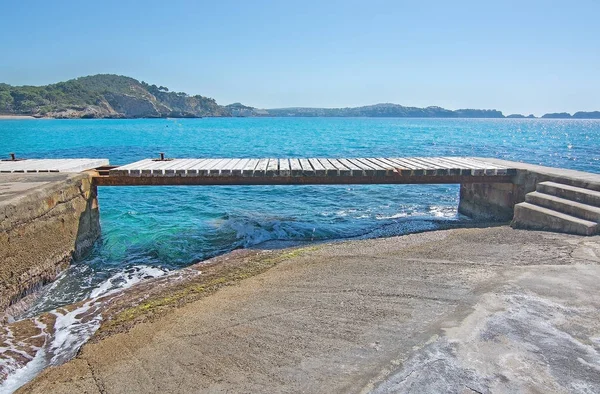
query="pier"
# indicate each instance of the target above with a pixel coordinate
(304, 171)
(530, 196)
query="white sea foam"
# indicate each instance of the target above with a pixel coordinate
(125, 279)
(71, 329)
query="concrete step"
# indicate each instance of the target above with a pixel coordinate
(573, 208)
(579, 194)
(529, 216)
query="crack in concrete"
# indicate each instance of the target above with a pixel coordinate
(97, 381)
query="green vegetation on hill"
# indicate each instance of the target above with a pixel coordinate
(104, 96)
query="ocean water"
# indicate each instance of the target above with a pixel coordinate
(147, 231)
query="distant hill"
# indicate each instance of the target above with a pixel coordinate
(576, 115)
(117, 96)
(387, 110)
(240, 110)
(104, 96)
(519, 116)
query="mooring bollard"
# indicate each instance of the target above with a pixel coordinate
(12, 156)
(162, 156)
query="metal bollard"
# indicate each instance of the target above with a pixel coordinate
(162, 156)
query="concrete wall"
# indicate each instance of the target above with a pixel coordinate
(46, 220)
(496, 201)
(487, 201)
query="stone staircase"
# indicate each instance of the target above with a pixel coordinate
(560, 208)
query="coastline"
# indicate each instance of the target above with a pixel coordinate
(29, 117)
(356, 316)
(17, 117)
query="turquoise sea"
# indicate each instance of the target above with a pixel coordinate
(147, 230)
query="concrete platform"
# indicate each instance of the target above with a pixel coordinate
(463, 311)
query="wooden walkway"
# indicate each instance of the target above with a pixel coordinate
(50, 165)
(273, 171)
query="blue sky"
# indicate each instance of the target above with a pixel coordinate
(515, 56)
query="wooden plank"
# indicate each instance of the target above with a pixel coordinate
(483, 162)
(51, 165)
(248, 169)
(341, 168)
(452, 168)
(261, 167)
(394, 168)
(382, 163)
(462, 168)
(469, 168)
(330, 169)
(295, 167)
(202, 168)
(147, 169)
(284, 167)
(63, 165)
(273, 167)
(306, 167)
(318, 167)
(192, 168)
(378, 168)
(219, 166)
(490, 168)
(55, 165)
(29, 165)
(176, 166)
(407, 168)
(392, 165)
(438, 168)
(354, 169)
(227, 168)
(401, 162)
(476, 167)
(137, 164)
(426, 167)
(239, 166)
(367, 170)
(159, 170)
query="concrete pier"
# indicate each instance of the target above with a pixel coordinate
(45, 221)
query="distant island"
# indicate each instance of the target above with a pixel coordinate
(116, 96)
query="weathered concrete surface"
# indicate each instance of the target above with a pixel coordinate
(487, 201)
(45, 220)
(466, 310)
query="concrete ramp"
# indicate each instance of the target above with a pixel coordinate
(50, 165)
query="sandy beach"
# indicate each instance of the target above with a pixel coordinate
(462, 310)
(16, 117)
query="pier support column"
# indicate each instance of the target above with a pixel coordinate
(488, 201)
